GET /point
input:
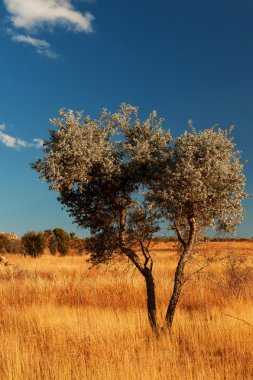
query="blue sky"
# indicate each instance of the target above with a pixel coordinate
(188, 59)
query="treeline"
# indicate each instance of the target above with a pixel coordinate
(60, 242)
(56, 242)
(205, 239)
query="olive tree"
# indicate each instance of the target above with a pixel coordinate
(200, 185)
(118, 175)
(100, 168)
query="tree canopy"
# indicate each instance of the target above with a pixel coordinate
(98, 166)
(202, 178)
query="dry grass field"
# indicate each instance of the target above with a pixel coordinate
(59, 320)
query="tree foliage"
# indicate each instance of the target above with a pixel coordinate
(34, 243)
(3, 243)
(57, 240)
(62, 240)
(98, 165)
(202, 178)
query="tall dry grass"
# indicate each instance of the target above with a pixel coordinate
(60, 320)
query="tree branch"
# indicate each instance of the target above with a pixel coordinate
(195, 272)
(192, 232)
(239, 319)
(180, 238)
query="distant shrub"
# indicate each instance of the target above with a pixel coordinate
(62, 241)
(59, 233)
(238, 272)
(10, 244)
(34, 243)
(3, 243)
(57, 241)
(78, 244)
(50, 241)
(63, 247)
(53, 245)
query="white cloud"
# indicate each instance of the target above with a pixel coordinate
(13, 142)
(38, 143)
(43, 47)
(33, 14)
(17, 143)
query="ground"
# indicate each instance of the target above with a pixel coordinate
(60, 320)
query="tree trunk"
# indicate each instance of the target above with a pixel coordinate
(179, 273)
(178, 283)
(151, 299)
(143, 269)
(122, 226)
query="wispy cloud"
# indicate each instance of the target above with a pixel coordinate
(17, 143)
(13, 142)
(34, 15)
(38, 143)
(42, 47)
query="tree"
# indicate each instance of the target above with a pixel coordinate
(201, 186)
(34, 243)
(50, 241)
(98, 167)
(3, 243)
(118, 176)
(10, 243)
(62, 240)
(57, 240)
(72, 235)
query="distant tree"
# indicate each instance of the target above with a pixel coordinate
(60, 233)
(13, 245)
(201, 185)
(34, 243)
(118, 176)
(47, 234)
(3, 243)
(50, 241)
(57, 240)
(61, 238)
(78, 244)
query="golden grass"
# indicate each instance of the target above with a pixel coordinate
(59, 320)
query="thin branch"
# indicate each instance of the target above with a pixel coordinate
(195, 272)
(181, 240)
(239, 319)
(150, 258)
(143, 252)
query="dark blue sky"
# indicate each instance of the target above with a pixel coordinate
(186, 59)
